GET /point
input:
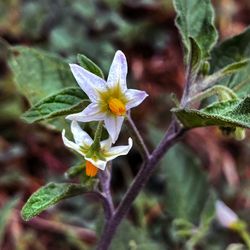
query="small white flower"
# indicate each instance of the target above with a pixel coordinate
(110, 100)
(225, 215)
(98, 159)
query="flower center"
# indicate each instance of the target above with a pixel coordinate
(91, 170)
(116, 106)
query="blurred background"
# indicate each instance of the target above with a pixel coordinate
(31, 155)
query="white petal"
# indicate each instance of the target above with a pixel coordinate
(80, 136)
(71, 144)
(98, 163)
(118, 150)
(88, 82)
(106, 144)
(225, 215)
(134, 97)
(118, 71)
(91, 113)
(113, 125)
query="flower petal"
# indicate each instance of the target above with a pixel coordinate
(106, 144)
(113, 125)
(118, 150)
(80, 136)
(97, 163)
(91, 113)
(71, 144)
(118, 71)
(225, 215)
(88, 82)
(134, 97)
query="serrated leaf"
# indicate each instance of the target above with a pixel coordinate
(38, 74)
(66, 101)
(195, 18)
(48, 196)
(233, 50)
(89, 65)
(232, 113)
(187, 186)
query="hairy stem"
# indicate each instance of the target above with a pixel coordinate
(105, 178)
(171, 136)
(137, 137)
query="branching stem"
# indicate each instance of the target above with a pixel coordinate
(146, 170)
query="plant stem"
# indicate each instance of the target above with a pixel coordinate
(245, 236)
(222, 92)
(138, 183)
(138, 138)
(105, 178)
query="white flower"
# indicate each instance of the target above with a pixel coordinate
(97, 159)
(110, 100)
(225, 215)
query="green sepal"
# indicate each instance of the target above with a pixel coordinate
(75, 170)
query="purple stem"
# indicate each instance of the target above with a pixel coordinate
(105, 178)
(171, 136)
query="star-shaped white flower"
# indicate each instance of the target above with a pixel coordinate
(83, 143)
(225, 215)
(111, 99)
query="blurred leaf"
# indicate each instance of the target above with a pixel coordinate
(39, 74)
(236, 247)
(233, 50)
(208, 212)
(187, 187)
(34, 15)
(48, 196)
(66, 101)
(87, 64)
(233, 113)
(5, 214)
(129, 237)
(195, 18)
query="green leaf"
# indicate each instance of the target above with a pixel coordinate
(131, 237)
(38, 74)
(195, 18)
(232, 113)
(48, 196)
(233, 50)
(89, 65)
(5, 215)
(64, 102)
(187, 186)
(208, 212)
(221, 74)
(195, 56)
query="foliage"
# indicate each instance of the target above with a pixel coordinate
(182, 193)
(48, 196)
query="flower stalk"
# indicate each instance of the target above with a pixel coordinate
(137, 137)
